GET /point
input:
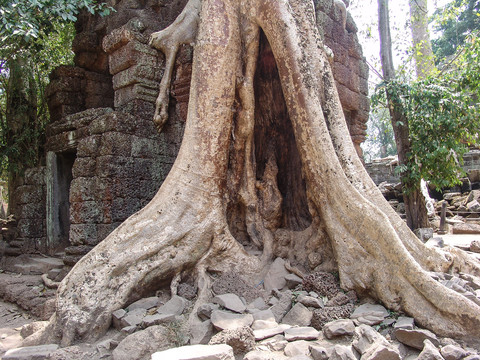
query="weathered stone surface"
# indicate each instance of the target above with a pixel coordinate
(143, 343)
(365, 338)
(382, 352)
(266, 315)
(262, 355)
(301, 333)
(275, 277)
(319, 352)
(223, 320)
(71, 353)
(257, 304)
(475, 246)
(231, 302)
(293, 281)
(429, 352)
(453, 352)
(298, 315)
(300, 347)
(369, 314)
(39, 352)
(310, 301)
(322, 283)
(241, 339)
(342, 352)
(196, 352)
(133, 318)
(264, 324)
(338, 300)
(29, 329)
(205, 311)
(344, 327)
(415, 338)
(404, 322)
(201, 333)
(466, 228)
(269, 332)
(276, 343)
(174, 306)
(327, 314)
(117, 316)
(156, 319)
(283, 305)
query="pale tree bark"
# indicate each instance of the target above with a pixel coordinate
(422, 47)
(226, 173)
(415, 207)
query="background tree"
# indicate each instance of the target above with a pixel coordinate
(221, 209)
(422, 47)
(35, 37)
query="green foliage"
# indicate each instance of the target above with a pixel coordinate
(380, 140)
(443, 118)
(455, 21)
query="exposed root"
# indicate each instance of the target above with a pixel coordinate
(49, 283)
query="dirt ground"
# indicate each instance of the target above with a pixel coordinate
(12, 318)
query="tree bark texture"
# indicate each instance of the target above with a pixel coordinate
(422, 47)
(415, 207)
(255, 175)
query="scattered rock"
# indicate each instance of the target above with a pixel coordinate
(319, 352)
(323, 283)
(453, 352)
(337, 328)
(466, 228)
(293, 281)
(415, 338)
(429, 352)
(29, 329)
(276, 343)
(201, 332)
(233, 283)
(270, 332)
(156, 319)
(295, 348)
(257, 304)
(366, 338)
(175, 306)
(275, 277)
(342, 352)
(117, 316)
(259, 355)
(327, 314)
(143, 343)
(223, 320)
(231, 302)
(338, 300)
(424, 234)
(133, 318)
(475, 246)
(145, 303)
(310, 301)
(266, 315)
(404, 322)
(196, 352)
(298, 315)
(369, 314)
(283, 305)
(71, 353)
(39, 352)
(241, 339)
(205, 311)
(301, 333)
(382, 352)
(186, 291)
(264, 324)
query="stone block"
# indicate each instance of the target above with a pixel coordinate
(39, 352)
(122, 208)
(83, 167)
(230, 302)
(223, 320)
(30, 228)
(88, 147)
(266, 333)
(275, 277)
(336, 328)
(82, 188)
(298, 315)
(145, 303)
(85, 212)
(301, 333)
(146, 75)
(297, 348)
(145, 91)
(369, 314)
(121, 37)
(27, 194)
(241, 339)
(109, 166)
(196, 352)
(115, 143)
(83, 234)
(415, 338)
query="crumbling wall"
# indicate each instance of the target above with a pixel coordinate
(105, 159)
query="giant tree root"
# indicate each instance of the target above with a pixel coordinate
(185, 228)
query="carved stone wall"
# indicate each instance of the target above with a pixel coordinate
(105, 159)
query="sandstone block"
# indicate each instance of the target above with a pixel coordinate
(175, 306)
(415, 338)
(453, 352)
(201, 333)
(39, 352)
(241, 339)
(343, 327)
(270, 332)
(301, 333)
(310, 301)
(223, 320)
(295, 348)
(369, 314)
(231, 302)
(404, 322)
(275, 277)
(298, 315)
(429, 352)
(342, 352)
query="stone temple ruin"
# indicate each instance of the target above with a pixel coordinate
(104, 157)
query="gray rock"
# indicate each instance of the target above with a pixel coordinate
(133, 318)
(39, 352)
(264, 324)
(276, 343)
(270, 332)
(257, 304)
(275, 277)
(319, 352)
(298, 315)
(344, 327)
(143, 343)
(71, 353)
(453, 352)
(231, 302)
(205, 311)
(366, 337)
(382, 352)
(473, 206)
(241, 339)
(293, 281)
(404, 322)
(201, 332)
(424, 234)
(369, 314)
(301, 333)
(129, 329)
(266, 315)
(310, 301)
(29, 329)
(429, 352)
(259, 355)
(475, 246)
(145, 303)
(196, 352)
(156, 319)
(300, 357)
(415, 338)
(283, 305)
(223, 320)
(300, 347)
(176, 305)
(342, 352)
(117, 316)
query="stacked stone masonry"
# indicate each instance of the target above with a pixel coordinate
(105, 159)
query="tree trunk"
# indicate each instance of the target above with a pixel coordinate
(415, 207)
(422, 47)
(228, 191)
